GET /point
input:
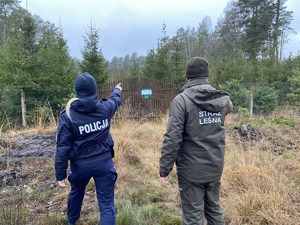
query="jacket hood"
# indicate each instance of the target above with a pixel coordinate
(84, 105)
(207, 97)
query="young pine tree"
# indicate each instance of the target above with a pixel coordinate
(93, 61)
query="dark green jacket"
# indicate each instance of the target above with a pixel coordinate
(195, 135)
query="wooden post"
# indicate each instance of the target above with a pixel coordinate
(251, 100)
(23, 108)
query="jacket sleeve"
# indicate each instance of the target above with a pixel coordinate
(230, 107)
(114, 100)
(172, 138)
(63, 147)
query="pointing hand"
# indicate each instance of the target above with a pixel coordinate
(119, 86)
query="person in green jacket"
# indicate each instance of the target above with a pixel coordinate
(195, 141)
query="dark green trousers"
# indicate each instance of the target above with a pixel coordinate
(199, 200)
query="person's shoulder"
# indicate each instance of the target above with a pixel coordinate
(179, 97)
(179, 100)
(208, 87)
(63, 116)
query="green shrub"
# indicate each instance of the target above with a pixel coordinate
(244, 112)
(149, 214)
(55, 218)
(93, 219)
(264, 99)
(125, 215)
(294, 94)
(238, 95)
(168, 219)
(126, 218)
(13, 211)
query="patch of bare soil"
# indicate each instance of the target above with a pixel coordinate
(29, 193)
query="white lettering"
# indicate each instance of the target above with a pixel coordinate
(209, 117)
(87, 128)
(216, 120)
(92, 127)
(98, 123)
(81, 128)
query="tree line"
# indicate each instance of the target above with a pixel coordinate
(244, 48)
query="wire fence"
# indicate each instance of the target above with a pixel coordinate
(142, 98)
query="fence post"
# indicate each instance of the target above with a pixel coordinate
(251, 100)
(23, 108)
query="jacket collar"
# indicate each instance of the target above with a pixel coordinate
(195, 82)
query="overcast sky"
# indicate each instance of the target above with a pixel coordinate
(128, 26)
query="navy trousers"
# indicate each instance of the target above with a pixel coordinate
(104, 174)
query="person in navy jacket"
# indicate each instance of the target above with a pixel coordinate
(83, 138)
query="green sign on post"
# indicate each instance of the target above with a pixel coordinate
(146, 93)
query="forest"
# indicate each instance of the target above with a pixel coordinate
(244, 49)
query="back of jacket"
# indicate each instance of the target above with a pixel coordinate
(195, 136)
(86, 133)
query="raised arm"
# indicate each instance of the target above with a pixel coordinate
(115, 98)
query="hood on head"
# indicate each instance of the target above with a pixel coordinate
(84, 105)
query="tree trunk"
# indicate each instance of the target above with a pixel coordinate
(276, 32)
(23, 108)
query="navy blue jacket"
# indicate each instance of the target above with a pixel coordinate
(85, 135)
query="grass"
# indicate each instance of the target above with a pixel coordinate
(260, 183)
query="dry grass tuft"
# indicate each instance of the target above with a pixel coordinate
(138, 144)
(260, 183)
